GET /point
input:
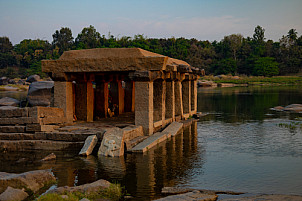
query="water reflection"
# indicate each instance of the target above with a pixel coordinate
(170, 163)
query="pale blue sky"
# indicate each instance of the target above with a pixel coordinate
(200, 19)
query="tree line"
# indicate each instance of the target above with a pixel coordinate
(234, 54)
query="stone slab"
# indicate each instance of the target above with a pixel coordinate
(12, 129)
(112, 143)
(8, 112)
(16, 136)
(40, 128)
(150, 142)
(190, 196)
(89, 145)
(22, 145)
(20, 120)
(174, 128)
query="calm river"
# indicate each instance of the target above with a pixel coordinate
(238, 146)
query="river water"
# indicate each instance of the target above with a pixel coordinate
(238, 146)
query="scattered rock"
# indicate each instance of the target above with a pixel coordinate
(204, 83)
(33, 78)
(12, 194)
(21, 82)
(22, 160)
(190, 196)
(11, 81)
(84, 199)
(89, 145)
(290, 108)
(64, 196)
(7, 101)
(40, 93)
(86, 188)
(33, 180)
(3, 81)
(50, 157)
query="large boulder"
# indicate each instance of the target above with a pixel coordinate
(112, 143)
(33, 180)
(7, 101)
(12, 194)
(40, 93)
(293, 108)
(3, 81)
(33, 78)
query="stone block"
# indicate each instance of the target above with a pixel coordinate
(42, 112)
(112, 143)
(89, 145)
(40, 128)
(131, 132)
(12, 129)
(20, 120)
(150, 142)
(8, 112)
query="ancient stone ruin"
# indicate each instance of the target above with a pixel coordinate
(99, 83)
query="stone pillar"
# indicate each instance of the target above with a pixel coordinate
(144, 106)
(117, 94)
(170, 100)
(63, 98)
(101, 99)
(129, 96)
(159, 96)
(178, 100)
(84, 101)
(186, 97)
(193, 97)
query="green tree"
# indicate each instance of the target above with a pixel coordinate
(234, 42)
(225, 66)
(258, 35)
(62, 39)
(88, 38)
(5, 45)
(266, 66)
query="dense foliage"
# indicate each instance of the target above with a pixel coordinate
(234, 54)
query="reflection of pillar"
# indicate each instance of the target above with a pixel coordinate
(129, 96)
(63, 98)
(84, 101)
(178, 99)
(170, 100)
(193, 97)
(101, 99)
(144, 106)
(117, 94)
(186, 97)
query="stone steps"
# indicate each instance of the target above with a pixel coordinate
(22, 145)
(132, 143)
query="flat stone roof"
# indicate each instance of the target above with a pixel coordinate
(110, 59)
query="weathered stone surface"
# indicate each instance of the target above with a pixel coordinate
(131, 132)
(12, 129)
(278, 108)
(112, 143)
(11, 111)
(267, 198)
(49, 157)
(205, 83)
(190, 196)
(105, 59)
(89, 145)
(21, 145)
(7, 101)
(33, 78)
(47, 115)
(150, 142)
(39, 93)
(174, 128)
(33, 180)
(12, 194)
(40, 128)
(19, 120)
(86, 188)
